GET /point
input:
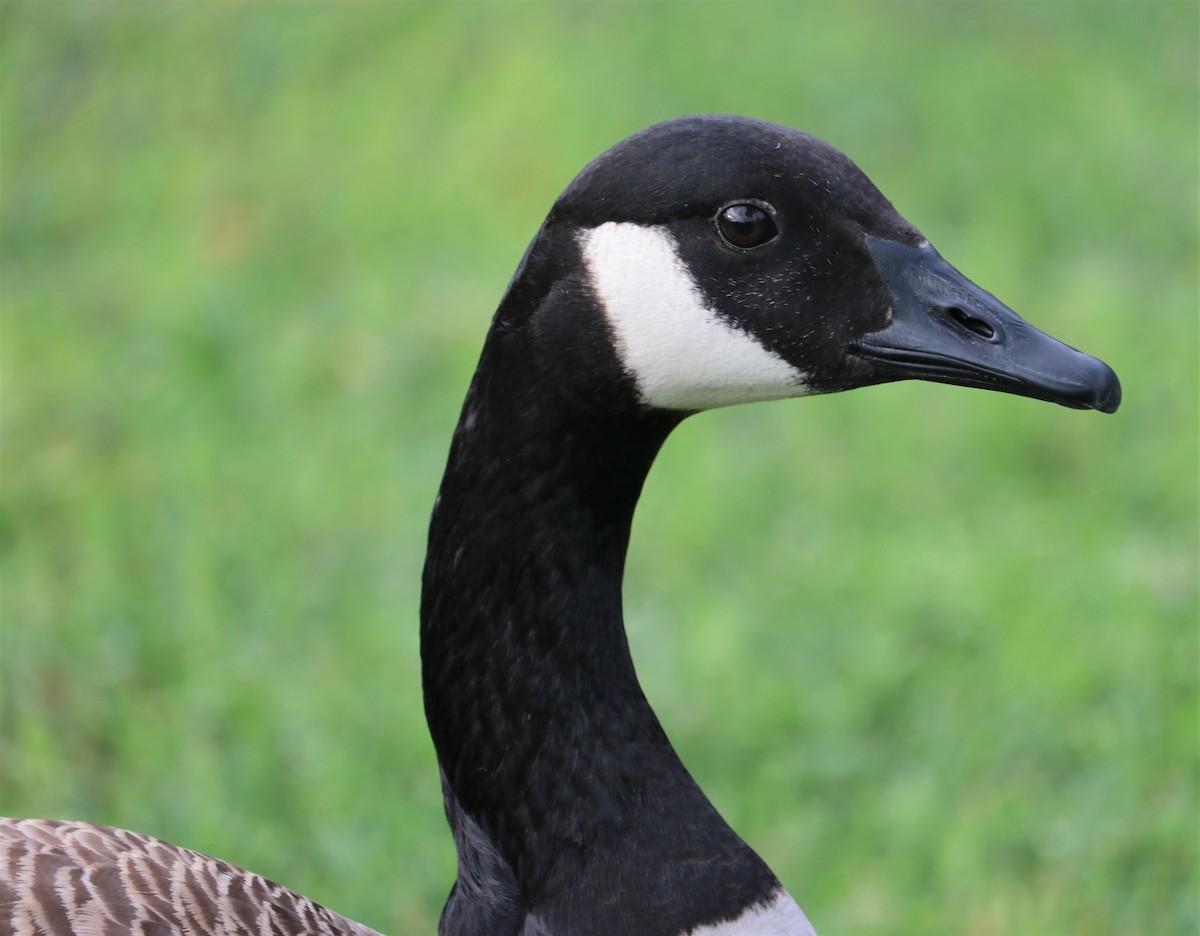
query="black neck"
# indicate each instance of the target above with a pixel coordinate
(544, 736)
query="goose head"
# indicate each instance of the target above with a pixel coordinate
(733, 260)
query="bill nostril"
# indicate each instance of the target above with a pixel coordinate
(970, 323)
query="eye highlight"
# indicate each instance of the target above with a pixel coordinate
(745, 226)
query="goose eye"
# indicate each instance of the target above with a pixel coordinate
(745, 226)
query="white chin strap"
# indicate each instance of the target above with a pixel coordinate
(682, 355)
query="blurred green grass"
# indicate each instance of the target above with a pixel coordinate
(933, 652)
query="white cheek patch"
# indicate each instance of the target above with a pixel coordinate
(682, 355)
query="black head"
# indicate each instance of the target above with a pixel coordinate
(735, 260)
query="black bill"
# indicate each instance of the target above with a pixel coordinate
(945, 328)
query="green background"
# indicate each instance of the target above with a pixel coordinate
(932, 651)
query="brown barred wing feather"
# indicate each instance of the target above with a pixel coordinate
(78, 879)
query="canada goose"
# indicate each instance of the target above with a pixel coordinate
(702, 262)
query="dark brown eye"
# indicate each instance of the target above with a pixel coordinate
(745, 226)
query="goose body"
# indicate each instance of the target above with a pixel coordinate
(703, 262)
